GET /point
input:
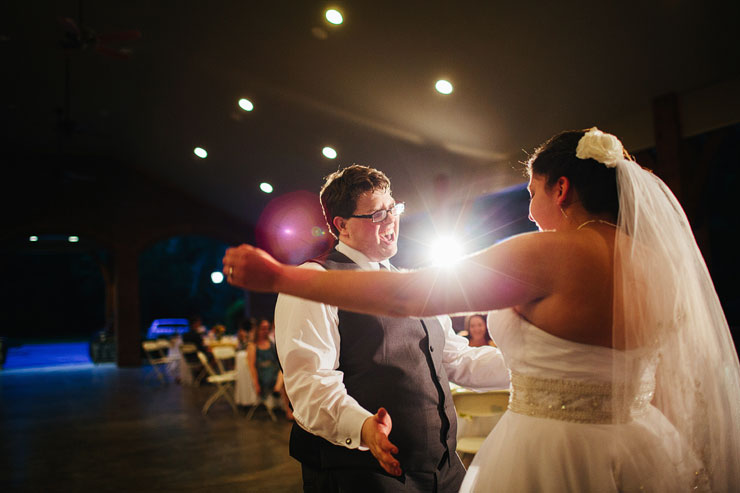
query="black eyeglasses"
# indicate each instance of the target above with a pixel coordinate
(379, 216)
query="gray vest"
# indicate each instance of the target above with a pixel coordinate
(395, 363)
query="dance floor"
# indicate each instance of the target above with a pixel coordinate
(82, 427)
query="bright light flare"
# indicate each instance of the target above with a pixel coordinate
(73, 239)
(329, 152)
(287, 227)
(33, 238)
(246, 104)
(443, 86)
(217, 277)
(445, 252)
(266, 187)
(334, 16)
(200, 152)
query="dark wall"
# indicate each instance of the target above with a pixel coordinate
(175, 280)
(52, 295)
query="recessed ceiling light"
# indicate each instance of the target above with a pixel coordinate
(73, 239)
(443, 86)
(329, 152)
(200, 152)
(334, 16)
(266, 187)
(246, 104)
(33, 238)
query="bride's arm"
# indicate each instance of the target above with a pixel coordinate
(513, 272)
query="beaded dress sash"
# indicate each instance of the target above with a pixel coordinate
(578, 401)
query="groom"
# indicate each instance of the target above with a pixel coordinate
(341, 367)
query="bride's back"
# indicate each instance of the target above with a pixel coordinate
(580, 306)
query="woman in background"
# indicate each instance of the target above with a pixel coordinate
(477, 331)
(264, 367)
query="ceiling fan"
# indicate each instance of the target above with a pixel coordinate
(78, 37)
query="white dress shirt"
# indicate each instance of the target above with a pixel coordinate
(307, 337)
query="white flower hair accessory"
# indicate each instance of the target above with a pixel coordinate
(604, 148)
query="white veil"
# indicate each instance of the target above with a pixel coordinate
(666, 308)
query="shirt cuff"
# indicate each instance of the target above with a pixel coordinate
(350, 427)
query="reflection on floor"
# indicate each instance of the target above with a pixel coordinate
(100, 428)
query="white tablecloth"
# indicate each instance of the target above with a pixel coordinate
(244, 393)
(479, 426)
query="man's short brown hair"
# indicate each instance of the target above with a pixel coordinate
(343, 187)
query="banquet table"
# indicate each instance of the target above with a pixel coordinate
(224, 341)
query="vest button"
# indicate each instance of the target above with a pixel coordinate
(348, 441)
(431, 349)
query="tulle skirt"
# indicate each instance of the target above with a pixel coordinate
(531, 454)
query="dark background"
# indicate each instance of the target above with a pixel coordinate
(102, 103)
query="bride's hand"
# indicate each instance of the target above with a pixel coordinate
(251, 268)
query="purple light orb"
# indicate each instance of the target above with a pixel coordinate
(287, 228)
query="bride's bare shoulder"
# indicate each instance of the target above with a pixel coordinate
(546, 242)
(554, 250)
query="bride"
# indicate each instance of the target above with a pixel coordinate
(624, 375)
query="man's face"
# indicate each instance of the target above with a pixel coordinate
(378, 241)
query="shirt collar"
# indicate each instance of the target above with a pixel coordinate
(360, 258)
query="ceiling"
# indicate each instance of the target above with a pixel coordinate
(365, 88)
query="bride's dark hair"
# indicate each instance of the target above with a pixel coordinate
(595, 183)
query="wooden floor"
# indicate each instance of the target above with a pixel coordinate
(93, 429)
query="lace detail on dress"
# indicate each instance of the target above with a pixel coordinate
(580, 402)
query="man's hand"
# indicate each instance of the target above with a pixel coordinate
(375, 431)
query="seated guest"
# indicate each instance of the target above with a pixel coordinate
(195, 334)
(216, 332)
(477, 331)
(264, 367)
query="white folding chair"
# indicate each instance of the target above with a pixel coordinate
(470, 405)
(157, 358)
(225, 357)
(224, 383)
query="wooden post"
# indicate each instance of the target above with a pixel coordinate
(127, 316)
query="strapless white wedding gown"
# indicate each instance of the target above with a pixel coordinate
(555, 436)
